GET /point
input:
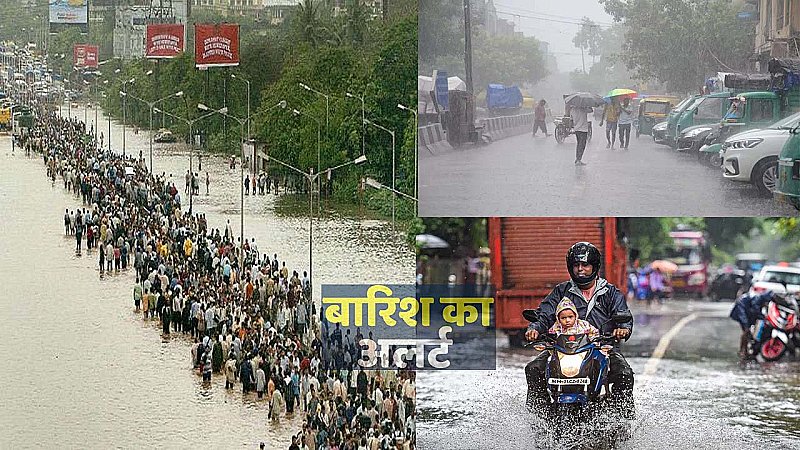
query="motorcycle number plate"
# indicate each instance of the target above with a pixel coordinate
(568, 381)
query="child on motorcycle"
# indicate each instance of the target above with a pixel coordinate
(568, 321)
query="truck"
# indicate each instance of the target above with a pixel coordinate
(691, 252)
(503, 100)
(528, 261)
(753, 100)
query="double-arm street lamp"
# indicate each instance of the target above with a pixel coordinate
(224, 112)
(373, 183)
(416, 151)
(151, 106)
(327, 105)
(312, 177)
(190, 124)
(369, 122)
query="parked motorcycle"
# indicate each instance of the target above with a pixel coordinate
(778, 332)
(577, 370)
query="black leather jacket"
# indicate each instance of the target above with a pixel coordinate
(609, 301)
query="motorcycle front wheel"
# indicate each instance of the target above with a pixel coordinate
(772, 349)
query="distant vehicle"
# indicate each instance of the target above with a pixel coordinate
(728, 283)
(164, 136)
(692, 253)
(774, 277)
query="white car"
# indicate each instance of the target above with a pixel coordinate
(752, 156)
(773, 278)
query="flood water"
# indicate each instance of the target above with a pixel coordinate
(699, 397)
(82, 370)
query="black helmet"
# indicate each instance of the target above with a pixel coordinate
(586, 253)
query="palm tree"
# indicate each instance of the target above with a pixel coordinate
(307, 24)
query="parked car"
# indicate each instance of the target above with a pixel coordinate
(752, 156)
(774, 277)
(660, 133)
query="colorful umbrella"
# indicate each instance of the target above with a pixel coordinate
(620, 92)
(664, 266)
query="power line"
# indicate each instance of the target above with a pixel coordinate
(543, 16)
(547, 19)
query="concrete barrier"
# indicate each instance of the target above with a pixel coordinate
(432, 140)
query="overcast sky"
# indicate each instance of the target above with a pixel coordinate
(545, 20)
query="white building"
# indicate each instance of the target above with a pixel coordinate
(130, 28)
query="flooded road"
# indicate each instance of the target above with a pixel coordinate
(697, 396)
(81, 370)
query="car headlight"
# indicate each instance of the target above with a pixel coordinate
(695, 132)
(570, 364)
(744, 143)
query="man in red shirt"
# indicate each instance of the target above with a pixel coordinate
(539, 117)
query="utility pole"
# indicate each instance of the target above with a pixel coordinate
(468, 45)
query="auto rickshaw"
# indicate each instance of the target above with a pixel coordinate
(653, 110)
(787, 188)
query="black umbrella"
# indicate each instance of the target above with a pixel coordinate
(584, 99)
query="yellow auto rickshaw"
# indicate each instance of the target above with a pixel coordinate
(652, 110)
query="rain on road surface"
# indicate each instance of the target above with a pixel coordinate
(82, 370)
(698, 396)
(524, 176)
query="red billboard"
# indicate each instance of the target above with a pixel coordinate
(85, 56)
(164, 40)
(216, 45)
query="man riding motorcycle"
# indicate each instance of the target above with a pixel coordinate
(596, 300)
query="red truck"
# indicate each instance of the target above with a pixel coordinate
(528, 260)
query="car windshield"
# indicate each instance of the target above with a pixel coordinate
(684, 256)
(680, 106)
(789, 122)
(774, 276)
(656, 107)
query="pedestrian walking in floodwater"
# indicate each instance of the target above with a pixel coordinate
(580, 124)
(625, 122)
(208, 181)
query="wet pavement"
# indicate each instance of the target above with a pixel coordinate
(525, 176)
(82, 370)
(697, 396)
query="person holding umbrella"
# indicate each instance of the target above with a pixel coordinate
(579, 105)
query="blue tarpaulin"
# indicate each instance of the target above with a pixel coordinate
(499, 96)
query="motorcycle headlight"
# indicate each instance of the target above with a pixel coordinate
(695, 132)
(570, 364)
(745, 143)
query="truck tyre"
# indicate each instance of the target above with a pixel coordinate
(765, 175)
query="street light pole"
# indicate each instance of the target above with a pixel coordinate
(224, 112)
(151, 105)
(190, 123)
(319, 145)
(311, 177)
(124, 112)
(327, 106)
(394, 189)
(233, 75)
(416, 152)
(363, 118)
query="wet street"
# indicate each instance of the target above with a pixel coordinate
(696, 396)
(524, 176)
(82, 370)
